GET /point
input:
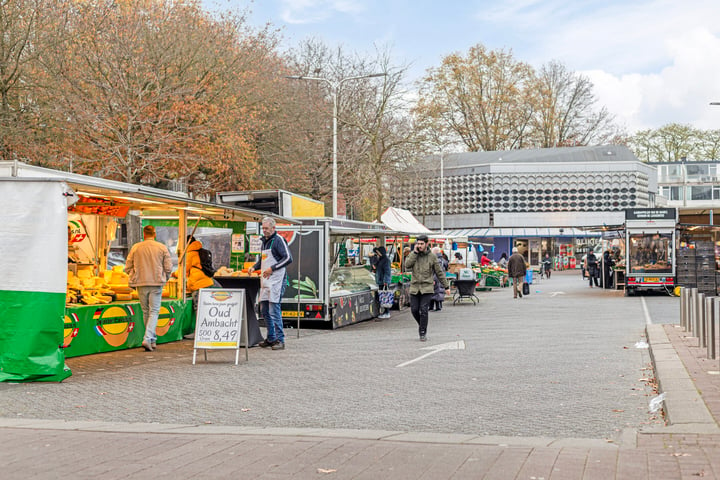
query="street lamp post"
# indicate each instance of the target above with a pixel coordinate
(335, 88)
(442, 191)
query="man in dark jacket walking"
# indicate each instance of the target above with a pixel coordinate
(516, 271)
(424, 266)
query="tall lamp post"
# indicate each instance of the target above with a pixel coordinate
(335, 88)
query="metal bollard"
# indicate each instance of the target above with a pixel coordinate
(700, 321)
(683, 306)
(708, 309)
(692, 319)
(711, 319)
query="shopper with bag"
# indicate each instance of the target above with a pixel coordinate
(383, 277)
(436, 303)
(517, 271)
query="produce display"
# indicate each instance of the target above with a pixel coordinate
(229, 272)
(86, 289)
(111, 286)
(493, 276)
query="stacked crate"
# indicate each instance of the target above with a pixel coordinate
(696, 268)
(686, 268)
(705, 268)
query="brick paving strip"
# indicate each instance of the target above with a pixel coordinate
(38, 449)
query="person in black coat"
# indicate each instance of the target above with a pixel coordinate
(608, 263)
(591, 266)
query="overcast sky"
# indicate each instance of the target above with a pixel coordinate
(652, 62)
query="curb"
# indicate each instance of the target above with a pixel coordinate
(684, 409)
(378, 435)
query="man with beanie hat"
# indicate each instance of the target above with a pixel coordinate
(424, 266)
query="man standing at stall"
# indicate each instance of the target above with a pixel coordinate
(149, 266)
(274, 257)
(423, 264)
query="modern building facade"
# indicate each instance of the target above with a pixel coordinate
(691, 187)
(553, 187)
(498, 197)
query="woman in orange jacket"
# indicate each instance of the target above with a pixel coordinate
(196, 278)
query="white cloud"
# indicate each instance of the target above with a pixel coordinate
(678, 93)
(313, 11)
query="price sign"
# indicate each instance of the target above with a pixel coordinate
(255, 244)
(220, 315)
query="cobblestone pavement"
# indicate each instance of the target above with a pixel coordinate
(558, 363)
(552, 386)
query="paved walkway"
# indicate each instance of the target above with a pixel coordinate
(687, 448)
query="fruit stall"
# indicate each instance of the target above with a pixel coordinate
(59, 296)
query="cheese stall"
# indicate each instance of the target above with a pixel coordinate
(58, 296)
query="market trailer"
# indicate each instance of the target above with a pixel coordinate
(650, 249)
(320, 290)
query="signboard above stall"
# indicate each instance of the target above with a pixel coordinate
(650, 214)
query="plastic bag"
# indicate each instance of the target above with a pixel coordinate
(656, 403)
(386, 298)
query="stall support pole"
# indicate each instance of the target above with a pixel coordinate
(298, 278)
(182, 230)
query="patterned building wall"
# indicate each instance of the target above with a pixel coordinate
(526, 192)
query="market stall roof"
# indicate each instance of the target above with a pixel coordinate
(401, 220)
(487, 232)
(350, 228)
(151, 201)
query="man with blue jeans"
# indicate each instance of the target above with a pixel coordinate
(274, 258)
(149, 266)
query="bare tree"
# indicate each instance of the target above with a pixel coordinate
(565, 114)
(482, 98)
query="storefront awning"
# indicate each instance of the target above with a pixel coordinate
(518, 232)
(120, 196)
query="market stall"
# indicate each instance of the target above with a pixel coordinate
(324, 287)
(57, 227)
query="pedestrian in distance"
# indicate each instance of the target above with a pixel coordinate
(423, 264)
(149, 266)
(383, 274)
(436, 302)
(591, 266)
(502, 263)
(608, 264)
(274, 257)
(517, 271)
(485, 260)
(547, 265)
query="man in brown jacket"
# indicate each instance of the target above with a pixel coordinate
(149, 266)
(423, 264)
(516, 271)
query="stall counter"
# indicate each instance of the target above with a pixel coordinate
(118, 326)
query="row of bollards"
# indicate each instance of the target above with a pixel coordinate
(699, 317)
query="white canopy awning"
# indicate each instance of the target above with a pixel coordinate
(403, 221)
(486, 232)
